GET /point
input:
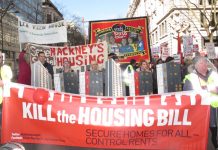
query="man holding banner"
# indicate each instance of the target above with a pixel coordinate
(204, 79)
(24, 76)
(41, 58)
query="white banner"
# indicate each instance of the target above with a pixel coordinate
(187, 44)
(177, 58)
(42, 33)
(211, 54)
(78, 56)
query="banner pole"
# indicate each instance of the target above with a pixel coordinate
(84, 30)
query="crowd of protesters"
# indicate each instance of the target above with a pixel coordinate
(24, 76)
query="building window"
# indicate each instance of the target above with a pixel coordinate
(156, 37)
(203, 19)
(153, 38)
(48, 18)
(160, 30)
(200, 2)
(165, 27)
(213, 23)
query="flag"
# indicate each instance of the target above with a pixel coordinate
(179, 51)
(84, 31)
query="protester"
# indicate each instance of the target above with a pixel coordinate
(143, 66)
(159, 61)
(203, 78)
(186, 68)
(42, 59)
(66, 67)
(24, 76)
(169, 59)
(5, 74)
(110, 55)
(132, 66)
(115, 58)
(130, 69)
(94, 66)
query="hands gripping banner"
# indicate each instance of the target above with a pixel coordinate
(170, 121)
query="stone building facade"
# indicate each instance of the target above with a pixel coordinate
(167, 18)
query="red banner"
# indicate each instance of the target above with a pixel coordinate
(170, 121)
(128, 38)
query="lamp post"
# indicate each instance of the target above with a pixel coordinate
(3, 12)
(37, 11)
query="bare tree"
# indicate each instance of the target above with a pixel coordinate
(208, 17)
(75, 37)
(75, 32)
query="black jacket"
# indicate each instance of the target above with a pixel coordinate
(49, 67)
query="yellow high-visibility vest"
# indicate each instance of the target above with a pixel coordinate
(6, 75)
(198, 83)
(127, 73)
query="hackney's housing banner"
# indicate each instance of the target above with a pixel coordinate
(77, 56)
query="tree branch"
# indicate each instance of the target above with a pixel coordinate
(215, 28)
(206, 26)
(215, 11)
(190, 20)
(204, 14)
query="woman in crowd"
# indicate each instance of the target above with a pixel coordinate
(66, 67)
(143, 66)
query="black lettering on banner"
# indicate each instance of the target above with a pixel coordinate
(135, 54)
(88, 132)
(182, 133)
(143, 141)
(130, 137)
